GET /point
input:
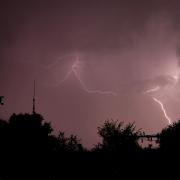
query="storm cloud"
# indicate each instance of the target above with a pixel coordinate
(126, 47)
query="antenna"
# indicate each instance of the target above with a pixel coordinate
(34, 100)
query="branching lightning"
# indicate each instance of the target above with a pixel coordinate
(75, 69)
(52, 65)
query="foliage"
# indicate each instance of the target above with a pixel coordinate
(170, 138)
(115, 137)
(69, 144)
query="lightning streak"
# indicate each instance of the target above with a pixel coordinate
(152, 90)
(160, 103)
(75, 68)
(54, 64)
(163, 109)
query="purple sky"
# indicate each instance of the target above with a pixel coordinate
(119, 48)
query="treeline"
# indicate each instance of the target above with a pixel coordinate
(29, 150)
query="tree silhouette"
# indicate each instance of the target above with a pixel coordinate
(170, 139)
(28, 150)
(29, 130)
(116, 138)
(68, 144)
(170, 149)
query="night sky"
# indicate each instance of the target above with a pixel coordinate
(92, 60)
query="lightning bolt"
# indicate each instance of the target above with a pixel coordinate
(75, 70)
(163, 109)
(176, 80)
(160, 103)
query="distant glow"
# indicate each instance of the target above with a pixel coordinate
(163, 109)
(176, 78)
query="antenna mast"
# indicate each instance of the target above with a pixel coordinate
(34, 100)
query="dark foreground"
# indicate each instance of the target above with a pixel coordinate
(29, 151)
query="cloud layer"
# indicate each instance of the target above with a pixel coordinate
(126, 47)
